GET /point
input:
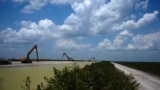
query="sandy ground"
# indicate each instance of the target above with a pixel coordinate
(34, 63)
(146, 81)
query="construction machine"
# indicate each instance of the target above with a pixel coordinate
(91, 59)
(69, 58)
(27, 59)
(4, 61)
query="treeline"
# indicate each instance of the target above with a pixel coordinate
(150, 67)
(97, 76)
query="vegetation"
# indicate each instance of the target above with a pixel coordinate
(150, 67)
(27, 83)
(97, 76)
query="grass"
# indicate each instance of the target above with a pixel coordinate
(12, 78)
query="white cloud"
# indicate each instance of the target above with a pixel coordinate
(108, 14)
(95, 17)
(91, 21)
(131, 24)
(71, 23)
(145, 42)
(46, 23)
(67, 44)
(33, 5)
(106, 44)
(125, 33)
(31, 32)
(142, 4)
(136, 42)
(90, 18)
(117, 44)
(7, 35)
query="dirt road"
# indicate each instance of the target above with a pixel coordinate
(146, 81)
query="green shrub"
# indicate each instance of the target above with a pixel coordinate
(97, 76)
(27, 83)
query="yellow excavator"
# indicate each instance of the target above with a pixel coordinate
(69, 58)
(27, 59)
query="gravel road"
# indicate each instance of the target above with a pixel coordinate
(146, 81)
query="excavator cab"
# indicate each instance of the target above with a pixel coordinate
(27, 59)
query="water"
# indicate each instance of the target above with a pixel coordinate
(11, 77)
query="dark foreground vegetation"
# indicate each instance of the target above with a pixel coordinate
(150, 67)
(97, 76)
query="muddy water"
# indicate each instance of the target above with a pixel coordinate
(12, 78)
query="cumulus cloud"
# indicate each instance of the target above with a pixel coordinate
(136, 42)
(34, 5)
(90, 18)
(131, 24)
(30, 32)
(95, 17)
(107, 14)
(7, 35)
(68, 44)
(145, 42)
(142, 4)
(117, 44)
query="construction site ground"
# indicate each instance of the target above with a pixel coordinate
(12, 76)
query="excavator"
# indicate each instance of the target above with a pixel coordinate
(69, 58)
(91, 59)
(27, 59)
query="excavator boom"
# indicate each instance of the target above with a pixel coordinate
(91, 59)
(69, 58)
(27, 59)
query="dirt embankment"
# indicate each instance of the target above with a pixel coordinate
(146, 81)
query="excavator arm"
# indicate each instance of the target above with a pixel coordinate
(69, 58)
(91, 59)
(27, 59)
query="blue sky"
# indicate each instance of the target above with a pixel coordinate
(127, 30)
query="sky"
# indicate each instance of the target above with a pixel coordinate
(115, 30)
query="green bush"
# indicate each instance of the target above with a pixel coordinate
(104, 76)
(27, 83)
(97, 76)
